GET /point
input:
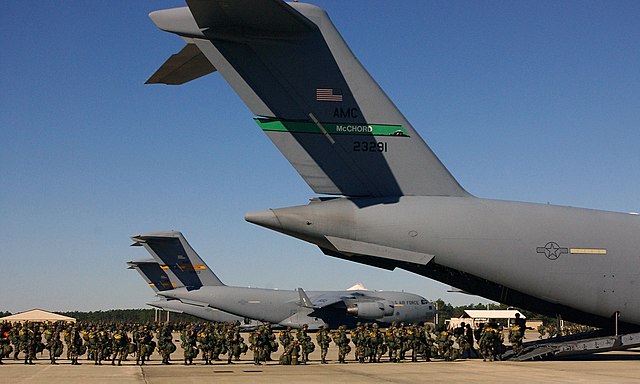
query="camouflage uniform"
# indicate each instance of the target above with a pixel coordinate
(445, 346)
(120, 345)
(5, 344)
(76, 346)
(235, 344)
(306, 344)
(188, 344)
(28, 340)
(393, 343)
(54, 344)
(376, 342)
(143, 345)
(324, 339)
(358, 339)
(165, 343)
(342, 342)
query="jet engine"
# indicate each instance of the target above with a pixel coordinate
(371, 310)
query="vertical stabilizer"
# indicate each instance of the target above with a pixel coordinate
(313, 98)
(173, 252)
(153, 274)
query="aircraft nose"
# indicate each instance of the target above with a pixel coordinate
(266, 219)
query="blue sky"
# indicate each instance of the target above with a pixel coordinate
(530, 101)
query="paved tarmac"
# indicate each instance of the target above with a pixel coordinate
(611, 367)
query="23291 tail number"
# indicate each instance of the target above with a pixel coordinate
(369, 146)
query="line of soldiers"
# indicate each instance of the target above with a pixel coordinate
(551, 330)
(115, 342)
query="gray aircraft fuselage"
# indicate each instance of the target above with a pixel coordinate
(206, 313)
(581, 263)
(283, 307)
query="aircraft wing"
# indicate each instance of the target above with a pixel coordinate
(319, 300)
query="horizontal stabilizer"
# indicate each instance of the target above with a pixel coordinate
(242, 17)
(353, 247)
(182, 67)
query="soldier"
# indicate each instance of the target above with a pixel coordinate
(28, 342)
(14, 338)
(306, 344)
(189, 347)
(393, 343)
(234, 343)
(464, 349)
(165, 343)
(285, 358)
(102, 339)
(412, 341)
(285, 337)
(272, 345)
(444, 345)
(323, 338)
(5, 344)
(54, 345)
(468, 333)
(257, 340)
(76, 346)
(542, 330)
(490, 343)
(342, 342)
(206, 343)
(516, 334)
(376, 343)
(357, 337)
(120, 345)
(143, 344)
(426, 338)
(402, 341)
(295, 348)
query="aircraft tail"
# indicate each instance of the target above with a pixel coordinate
(174, 254)
(313, 98)
(153, 274)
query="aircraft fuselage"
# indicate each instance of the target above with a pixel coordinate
(572, 260)
(283, 306)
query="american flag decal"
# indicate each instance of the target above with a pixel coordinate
(328, 94)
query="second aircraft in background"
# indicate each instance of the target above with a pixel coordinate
(194, 284)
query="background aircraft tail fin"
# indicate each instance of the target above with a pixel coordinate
(153, 274)
(313, 98)
(173, 251)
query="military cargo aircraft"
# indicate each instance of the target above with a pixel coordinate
(158, 280)
(396, 204)
(197, 285)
